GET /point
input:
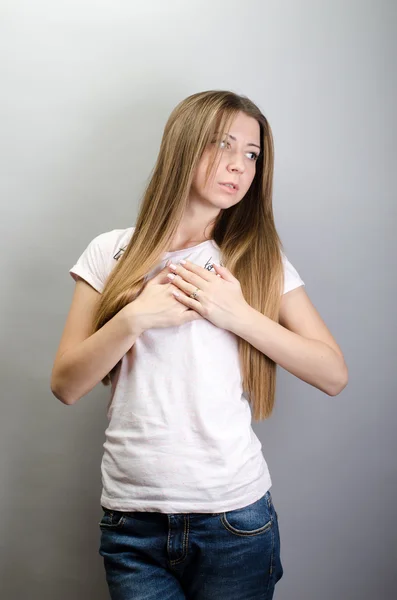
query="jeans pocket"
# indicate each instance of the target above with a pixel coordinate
(254, 519)
(112, 519)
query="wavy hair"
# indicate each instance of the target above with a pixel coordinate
(245, 233)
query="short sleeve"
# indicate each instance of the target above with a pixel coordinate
(292, 278)
(91, 265)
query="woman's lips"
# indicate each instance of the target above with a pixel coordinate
(228, 189)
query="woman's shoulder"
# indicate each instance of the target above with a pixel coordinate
(100, 255)
(112, 243)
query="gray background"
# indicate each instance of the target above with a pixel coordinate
(86, 89)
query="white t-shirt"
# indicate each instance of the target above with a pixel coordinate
(179, 437)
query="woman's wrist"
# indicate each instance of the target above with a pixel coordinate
(134, 318)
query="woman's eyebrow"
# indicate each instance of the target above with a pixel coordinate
(233, 138)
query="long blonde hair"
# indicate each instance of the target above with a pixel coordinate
(245, 233)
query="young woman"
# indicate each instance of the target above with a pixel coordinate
(186, 315)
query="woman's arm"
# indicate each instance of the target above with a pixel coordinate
(82, 359)
(301, 343)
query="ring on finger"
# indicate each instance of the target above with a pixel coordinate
(194, 294)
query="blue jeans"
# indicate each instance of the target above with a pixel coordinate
(233, 555)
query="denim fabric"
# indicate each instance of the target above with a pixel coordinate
(234, 555)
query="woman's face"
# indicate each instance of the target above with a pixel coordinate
(239, 150)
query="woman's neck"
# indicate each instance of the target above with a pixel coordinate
(184, 245)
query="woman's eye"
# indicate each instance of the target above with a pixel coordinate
(255, 155)
(221, 142)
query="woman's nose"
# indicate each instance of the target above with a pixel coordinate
(236, 167)
(236, 164)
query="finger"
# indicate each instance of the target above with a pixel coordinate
(193, 280)
(181, 284)
(187, 301)
(191, 272)
(223, 272)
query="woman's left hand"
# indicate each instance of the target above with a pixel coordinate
(219, 295)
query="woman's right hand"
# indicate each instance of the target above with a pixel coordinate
(156, 306)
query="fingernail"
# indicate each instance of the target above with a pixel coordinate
(171, 276)
(182, 262)
(172, 266)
